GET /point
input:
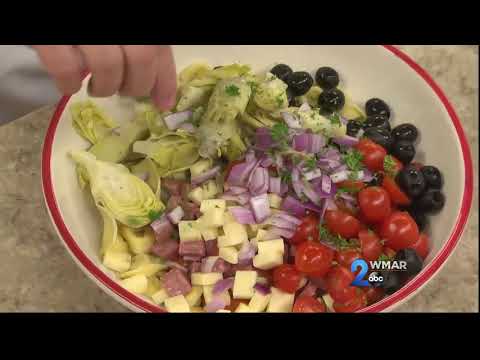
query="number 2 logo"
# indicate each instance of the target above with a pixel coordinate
(362, 265)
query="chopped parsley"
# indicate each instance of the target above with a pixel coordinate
(311, 163)
(279, 133)
(347, 190)
(353, 160)
(286, 176)
(232, 90)
(335, 119)
(390, 166)
(154, 215)
(336, 240)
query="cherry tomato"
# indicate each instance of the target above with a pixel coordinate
(389, 252)
(370, 244)
(312, 257)
(347, 257)
(397, 196)
(338, 284)
(234, 304)
(341, 223)
(375, 203)
(355, 304)
(287, 278)
(373, 154)
(374, 294)
(308, 304)
(399, 230)
(352, 184)
(306, 231)
(422, 246)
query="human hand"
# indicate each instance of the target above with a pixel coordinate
(130, 70)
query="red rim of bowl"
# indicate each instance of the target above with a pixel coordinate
(414, 285)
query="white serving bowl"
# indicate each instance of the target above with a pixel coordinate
(365, 71)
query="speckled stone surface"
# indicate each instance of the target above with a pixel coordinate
(37, 274)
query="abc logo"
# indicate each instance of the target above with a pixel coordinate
(375, 278)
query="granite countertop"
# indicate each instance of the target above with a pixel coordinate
(37, 274)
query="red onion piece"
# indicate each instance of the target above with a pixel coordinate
(242, 199)
(289, 218)
(346, 140)
(192, 258)
(242, 215)
(247, 252)
(263, 138)
(311, 194)
(291, 120)
(276, 232)
(326, 184)
(259, 181)
(217, 303)
(275, 185)
(262, 289)
(283, 189)
(211, 248)
(166, 249)
(314, 174)
(236, 190)
(279, 161)
(266, 162)
(367, 175)
(240, 173)
(207, 175)
(173, 121)
(176, 265)
(293, 206)
(176, 215)
(190, 249)
(222, 285)
(339, 176)
(260, 207)
(330, 204)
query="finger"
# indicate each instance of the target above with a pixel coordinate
(64, 64)
(140, 69)
(164, 91)
(106, 63)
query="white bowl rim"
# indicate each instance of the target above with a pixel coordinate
(136, 302)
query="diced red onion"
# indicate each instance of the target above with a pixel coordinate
(310, 193)
(279, 161)
(195, 266)
(176, 215)
(260, 207)
(275, 232)
(189, 127)
(346, 140)
(207, 175)
(208, 263)
(192, 249)
(281, 223)
(302, 142)
(312, 207)
(305, 107)
(367, 175)
(318, 142)
(263, 138)
(222, 266)
(262, 289)
(192, 258)
(173, 121)
(287, 217)
(259, 181)
(222, 285)
(211, 247)
(266, 162)
(162, 225)
(247, 252)
(283, 189)
(275, 185)
(176, 265)
(332, 154)
(165, 248)
(293, 206)
(341, 167)
(236, 190)
(291, 120)
(326, 184)
(217, 303)
(339, 176)
(314, 174)
(347, 197)
(242, 199)
(330, 205)
(242, 215)
(240, 173)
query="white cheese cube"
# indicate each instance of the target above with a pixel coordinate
(209, 234)
(271, 246)
(229, 254)
(235, 234)
(280, 301)
(194, 296)
(242, 308)
(328, 302)
(213, 204)
(267, 260)
(196, 195)
(208, 295)
(159, 297)
(243, 284)
(177, 304)
(188, 231)
(213, 218)
(202, 279)
(137, 284)
(261, 234)
(275, 201)
(259, 302)
(223, 311)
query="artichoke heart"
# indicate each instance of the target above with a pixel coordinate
(130, 200)
(90, 122)
(271, 94)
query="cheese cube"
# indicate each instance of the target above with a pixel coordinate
(213, 204)
(213, 218)
(243, 284)
(259, 302)
(275, 201)
(280, 301)
(261, 234)
(234, 234)
(210, 189)
(196, 195)
(194, 296)
(228, 218)
(159, 297)
(208, 295)
(202, 279)
(209, 234)
(242, 308)
(177, 304)
(229, 254)
(271, 246)
(223, 311)
(267, 260)
(328, 302)
(188, 231)
(137, 284)
(200, 167)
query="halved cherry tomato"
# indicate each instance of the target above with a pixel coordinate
(375, 203)
(287, 278)
(341, 223)
(338, 283)
(397, 196)
(308, 304)
(355, 304)
(373, 154)
(374, 294)
(356, 185)
(422, 246)
(399, 230)
(306, 231)
(347, 257)
(312, 257)
(370, 244)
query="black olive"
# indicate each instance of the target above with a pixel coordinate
(290, 97)
(404, 151)
(353, 127)
(431, 201)
(299, 82)
(419, 216)
(376, 121)
(414, 262)
(392, 281)
(331, 100)
(380, 136)
(411, 181)
(327, 78)
(281, 71)
(405, 132)
(377, 179)
(377, 107)
(432, 176)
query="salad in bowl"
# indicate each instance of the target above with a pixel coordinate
(259, 192)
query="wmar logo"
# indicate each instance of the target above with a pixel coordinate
(374, 278)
